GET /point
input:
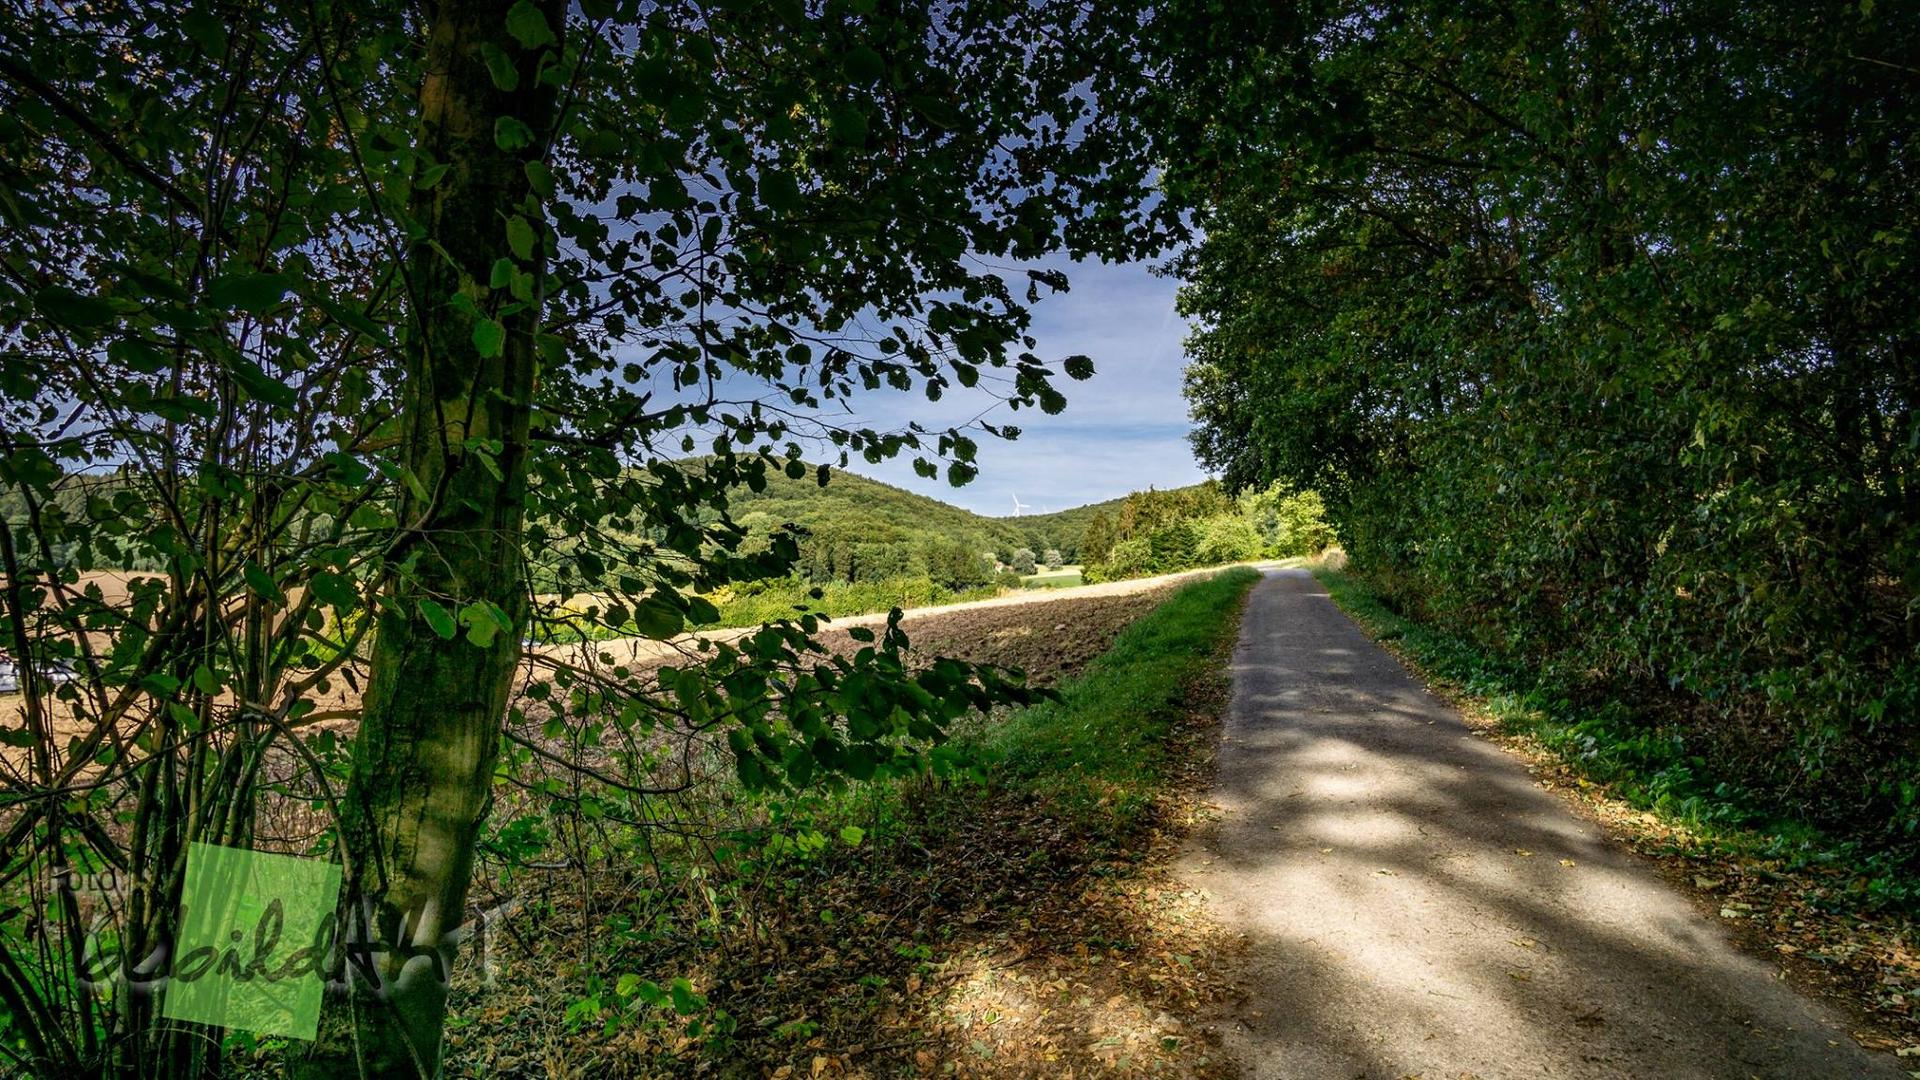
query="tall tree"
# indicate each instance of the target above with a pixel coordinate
(424, 755)
(352, 319)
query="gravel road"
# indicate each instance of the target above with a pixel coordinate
(1416, 906)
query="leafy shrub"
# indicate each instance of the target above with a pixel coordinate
(1162, 532)
(1227, 538)
(1128, 558)
(1291, 523)
(957, 566)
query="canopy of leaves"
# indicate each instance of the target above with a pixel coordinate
(216, 237)
(1596, 325)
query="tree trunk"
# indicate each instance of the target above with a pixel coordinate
(424, 758)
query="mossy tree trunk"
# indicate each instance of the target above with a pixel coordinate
(425, 754)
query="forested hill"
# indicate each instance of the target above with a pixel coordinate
(853, 503)
(1069, 525)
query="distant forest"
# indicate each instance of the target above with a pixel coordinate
(860, 529)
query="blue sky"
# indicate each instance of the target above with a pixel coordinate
(1123, 430)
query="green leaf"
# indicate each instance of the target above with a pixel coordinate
(779, 190)
(182, 409)
(848, 123)
(500, 66)
(250, 292)
(258, 384)
(431, 176)
(72, 310)
(262, 584)
(510, 133)
(528, 26)
(484, 623)
(489, 337)
(206, 29)
(349, 317)
(656, 618)
(438, 618)
(685, 1001)
(644, 991)
(591, 566)
(346, 468)
(853, 834)
(938, 112)
(863, 64)
(540, 178)
(139, 354)
(335, 590)
(520, 237)
(1079, 368)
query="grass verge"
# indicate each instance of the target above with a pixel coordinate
(1102, 749)
(1839, 916)
(1019, 921)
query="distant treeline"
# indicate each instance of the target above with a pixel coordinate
(858, 530)
(1160, 532)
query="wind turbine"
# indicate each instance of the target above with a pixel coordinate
(1019, 507)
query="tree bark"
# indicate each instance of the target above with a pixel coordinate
(424, 758)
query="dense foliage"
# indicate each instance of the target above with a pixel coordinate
(372, 307)
(1160, 532)
(1596, 326)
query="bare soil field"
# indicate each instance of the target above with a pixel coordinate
(1017, 630)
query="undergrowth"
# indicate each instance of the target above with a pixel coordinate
(832, 932)
(1101, 748)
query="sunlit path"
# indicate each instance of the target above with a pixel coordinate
(1417, 906)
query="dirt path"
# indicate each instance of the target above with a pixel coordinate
(1416, 906)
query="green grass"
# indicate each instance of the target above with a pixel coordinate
(1098, 754)
(1055, 579)
(1102, 749)
(756, 602)
(1647, 765)
(765, 601)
